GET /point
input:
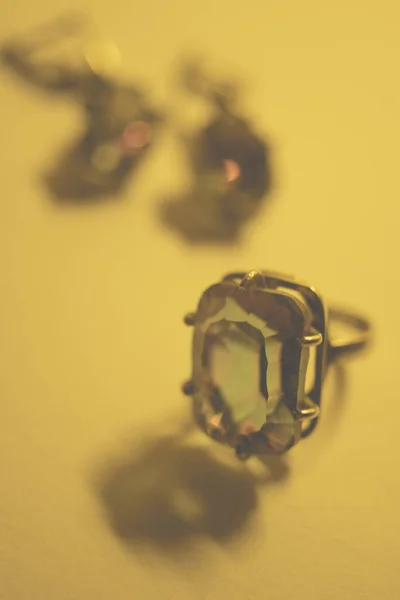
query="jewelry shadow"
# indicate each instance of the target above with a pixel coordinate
(173, 491)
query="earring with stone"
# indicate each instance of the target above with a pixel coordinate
(119, 123)
(230, 165)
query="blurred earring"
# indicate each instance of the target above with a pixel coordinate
(119, 123)
(231, 170)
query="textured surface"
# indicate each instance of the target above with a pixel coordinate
(94, 458)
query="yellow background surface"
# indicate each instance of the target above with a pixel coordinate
(93, 350)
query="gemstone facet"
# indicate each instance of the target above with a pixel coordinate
(248, 367)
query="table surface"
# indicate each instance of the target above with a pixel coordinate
(105, 491)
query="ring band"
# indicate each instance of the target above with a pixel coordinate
(253, 384)
(358, 341)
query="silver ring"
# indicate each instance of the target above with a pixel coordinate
(253, 384)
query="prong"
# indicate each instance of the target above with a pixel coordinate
(252, 279)
(307, 412)
(314, 338)
(188, 388)
(190, 319)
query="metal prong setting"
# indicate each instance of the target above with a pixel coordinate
(190, 319)
(252, 279)
(310, 411)
(188, 388)
(314, 338)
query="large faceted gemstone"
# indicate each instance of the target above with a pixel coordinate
(248, 368)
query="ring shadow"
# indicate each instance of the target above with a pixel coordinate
(173, 492)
